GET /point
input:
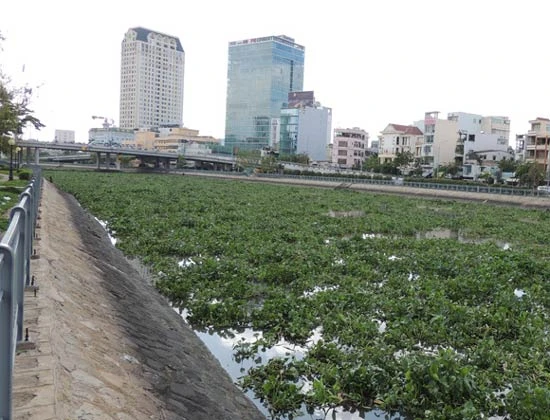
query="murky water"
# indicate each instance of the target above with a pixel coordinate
(222, 349)
(459, 236)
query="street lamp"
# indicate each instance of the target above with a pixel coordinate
(11, 143)
(17, 157)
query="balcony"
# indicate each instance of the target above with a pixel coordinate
(459, 150)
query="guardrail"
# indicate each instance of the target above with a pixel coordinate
(481, 188)
(15, 262)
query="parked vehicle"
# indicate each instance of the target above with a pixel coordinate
(543, 190)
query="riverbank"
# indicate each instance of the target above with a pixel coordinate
(108, 346)
(541, 202)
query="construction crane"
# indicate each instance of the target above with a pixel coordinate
(107, 122)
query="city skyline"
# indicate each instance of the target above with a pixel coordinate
(372, 64)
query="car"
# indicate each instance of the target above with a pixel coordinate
(543, 190)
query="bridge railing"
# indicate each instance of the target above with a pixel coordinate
(15, 264)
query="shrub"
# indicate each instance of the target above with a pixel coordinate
(25, 174)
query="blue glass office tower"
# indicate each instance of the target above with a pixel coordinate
(260, 74)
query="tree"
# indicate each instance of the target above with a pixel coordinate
(247, 160)
(299, 158)
(506, 165)
(530, 174)
(372, 163)
(269, 164)
(15, 113)
(472, 155)
(181, 162)
(450, 169)
(403, 160)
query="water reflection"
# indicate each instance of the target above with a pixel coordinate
(222, 348)
(110, 233)
(459, 236)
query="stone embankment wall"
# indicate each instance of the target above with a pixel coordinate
(108, 346)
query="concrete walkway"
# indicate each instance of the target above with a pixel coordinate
(108, 346)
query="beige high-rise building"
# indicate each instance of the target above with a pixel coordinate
(151, 80)
(64, 136)
(535, 145)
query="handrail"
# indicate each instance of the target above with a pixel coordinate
(15, 257)
(482, 188)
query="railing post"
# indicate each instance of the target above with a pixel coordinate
(29, 234)
(19, 263)
(7, 317)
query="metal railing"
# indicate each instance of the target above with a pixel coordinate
(481, 188)
(15, 264)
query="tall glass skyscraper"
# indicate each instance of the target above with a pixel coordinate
(260, 74)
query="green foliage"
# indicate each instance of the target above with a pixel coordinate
(403, 161)
(530, 174)
(372, 163)
(450, 169)
(428, 328)
(15, 113)
(299, 158)
(181, 162)
(24, 174)
(269, 164)
(507, 165)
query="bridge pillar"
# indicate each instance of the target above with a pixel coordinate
(98, 154)
(117, 162)
(167, 164)
(36, 156)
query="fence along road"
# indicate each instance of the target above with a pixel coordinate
(15, 258)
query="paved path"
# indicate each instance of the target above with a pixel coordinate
(108, 346)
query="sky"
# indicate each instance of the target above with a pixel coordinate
(372, 62)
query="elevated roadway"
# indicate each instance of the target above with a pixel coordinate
(155, 156)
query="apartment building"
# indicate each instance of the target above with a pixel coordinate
(349, 146)
(438, 145)
(305, 127)
(151, 80)
(178, 139)
(397, 138)
(171, 139)
(535, 144)
(64, 136)
(477, 133)
(110, 136)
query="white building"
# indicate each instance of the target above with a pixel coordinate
(499, 126)
(110, 136)
(305, 127)
(151, 80)
(314, 132)
(64, 136)
(349, 146)
(481, 142)
(397, 138)
(439, 143)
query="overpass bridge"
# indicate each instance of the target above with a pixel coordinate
(158, 158)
